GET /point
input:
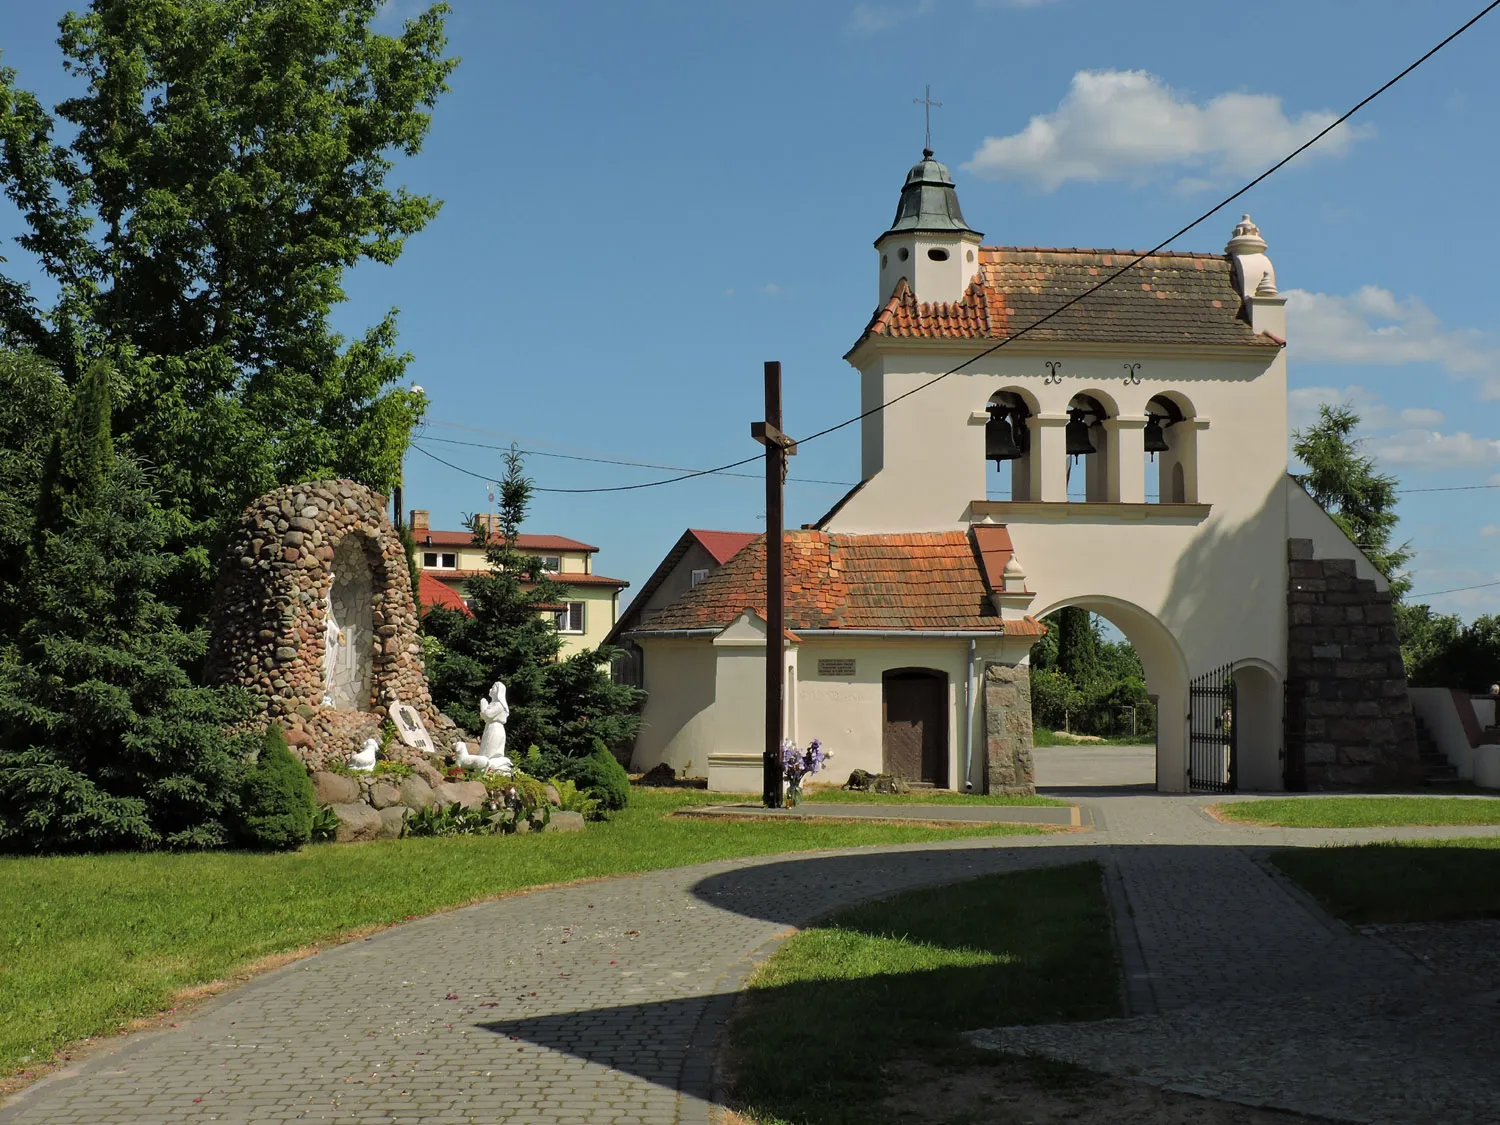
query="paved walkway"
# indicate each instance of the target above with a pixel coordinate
(601, 1002)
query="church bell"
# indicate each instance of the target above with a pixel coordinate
(1156, 439)
(1078, 442)
(999, 438)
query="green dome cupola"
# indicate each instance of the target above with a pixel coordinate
(929, 243)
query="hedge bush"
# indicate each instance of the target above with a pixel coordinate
(277, 802)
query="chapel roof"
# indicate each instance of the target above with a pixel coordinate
(721, 546)
(1170, 297)
(929, 203)
(536, 544)
(926, 581)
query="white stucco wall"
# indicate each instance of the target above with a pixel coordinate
(678, 724)
(1192, 587)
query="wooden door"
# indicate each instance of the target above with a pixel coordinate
(916, 726)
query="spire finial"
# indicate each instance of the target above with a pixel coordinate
(926, 102)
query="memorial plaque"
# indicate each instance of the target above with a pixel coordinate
(835, 667)
(409, 727)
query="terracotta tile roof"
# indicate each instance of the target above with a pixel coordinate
(535, 544)
(927, 581)
(995, 552)
(565, 579)
(1170, 297)
(722, 545)
(434, 593)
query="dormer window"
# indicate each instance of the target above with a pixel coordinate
(439, 560)
(552, 563)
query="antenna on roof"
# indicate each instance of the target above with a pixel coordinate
(926, 102)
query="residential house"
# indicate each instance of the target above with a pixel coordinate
(584, 618)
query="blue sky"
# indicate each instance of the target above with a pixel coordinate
(644, 201)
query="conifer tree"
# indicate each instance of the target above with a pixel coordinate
(1077, 645)
(105, 742)
(567, 707)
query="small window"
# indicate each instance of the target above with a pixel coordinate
(938, 254)
(903, 253)
(699, 575)
(429, 558)
(971, 255)
(885, 260)
(570, 618)
(450, 562)
(552, 563)
(439, 560)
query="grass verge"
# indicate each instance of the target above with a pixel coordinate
(1361, 812)
(836, 796)
(91, 943)
(827, 1017)
(1401, 881)
(1040, 737)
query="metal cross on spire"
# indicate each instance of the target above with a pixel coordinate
(926, 102)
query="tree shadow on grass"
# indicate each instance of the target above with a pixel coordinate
(905, 976)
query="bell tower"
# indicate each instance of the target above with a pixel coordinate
(928, 242)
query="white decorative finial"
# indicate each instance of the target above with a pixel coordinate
(1246, 239)
(1267, 286)
(1014, 575)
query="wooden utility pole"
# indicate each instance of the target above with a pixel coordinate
(778, 447)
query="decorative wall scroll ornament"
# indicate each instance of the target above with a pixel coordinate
(1132, 374)
(1053, 375)
(410, 728)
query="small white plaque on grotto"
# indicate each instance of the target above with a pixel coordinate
(409, 727)
(835, 667)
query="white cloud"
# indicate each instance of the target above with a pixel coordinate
(1372, 326)
(1122, 124)
(871, 18)
(1490, 529)
(1431, 449)
(1303, 403)
(771, 289)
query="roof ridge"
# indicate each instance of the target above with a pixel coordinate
(1221, 256)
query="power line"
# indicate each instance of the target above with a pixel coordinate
(617, 488)
(631, 464)
(1034, 325)
(1451, 488)
(1455, 590)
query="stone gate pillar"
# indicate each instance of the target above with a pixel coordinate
(1008, 769)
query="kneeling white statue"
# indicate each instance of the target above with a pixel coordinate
(494, 710)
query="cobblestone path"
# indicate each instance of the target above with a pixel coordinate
(601, 1002)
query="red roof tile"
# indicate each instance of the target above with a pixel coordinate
(723, 545)
(535, 544)
(434, 593)
(1169, 297)
(931, 581)
(565, 579)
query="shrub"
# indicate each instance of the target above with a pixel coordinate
(601, 776)
(325, 824)
(450, 820)
(571, 799)
(277, 804)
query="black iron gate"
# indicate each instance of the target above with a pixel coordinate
(1211, 729)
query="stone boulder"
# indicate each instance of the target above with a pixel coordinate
(416, 793)
(469, 794)
(357, 822)
(392, 819)
(554, 798)
(335, 788)
(566, 822)
(385, 792)
(427, 772)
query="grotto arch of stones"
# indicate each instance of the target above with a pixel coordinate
(314, 613)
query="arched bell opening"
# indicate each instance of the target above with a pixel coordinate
(1087, 444)
(1171, 442)
(1008, 444)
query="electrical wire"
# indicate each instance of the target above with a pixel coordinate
(1455, 590)
(631, 464)
(1034, 325)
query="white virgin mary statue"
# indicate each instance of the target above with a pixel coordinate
(494, 710)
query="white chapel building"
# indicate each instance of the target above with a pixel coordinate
(1127, 455)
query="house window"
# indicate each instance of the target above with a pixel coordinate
(570, 618)
(439, 560)
(699, 575)
(552, 563)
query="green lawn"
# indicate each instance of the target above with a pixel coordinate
(839, 1004)
(1058, 738)
(88, 943)
(921, 797)
(1405, 881)
(1362, 812)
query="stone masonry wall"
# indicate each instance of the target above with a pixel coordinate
(1007, 731)
(271, 605)
(1349, 718)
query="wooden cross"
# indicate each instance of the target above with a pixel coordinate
(778, 448)
(926, 102)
